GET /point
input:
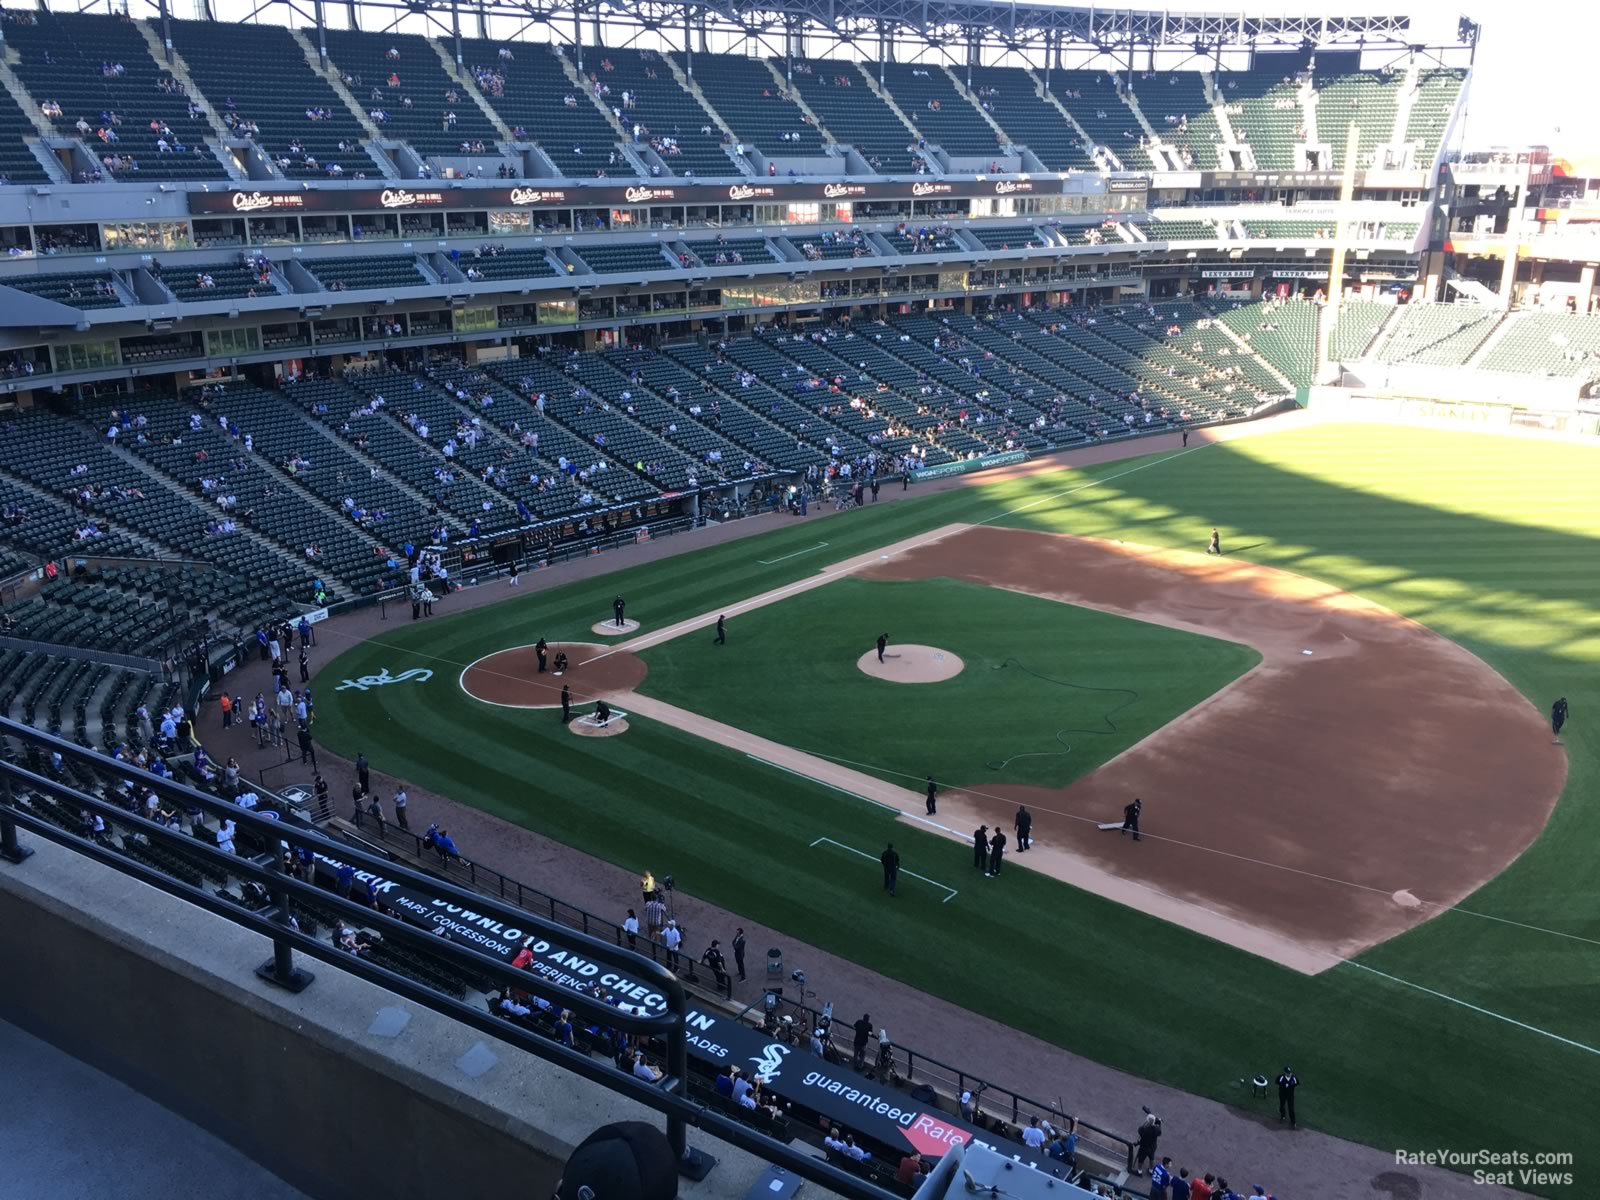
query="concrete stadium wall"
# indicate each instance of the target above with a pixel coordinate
(162, 996)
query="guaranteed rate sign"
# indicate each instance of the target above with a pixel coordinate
(873, 1110)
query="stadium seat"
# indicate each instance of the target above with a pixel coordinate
(753, 104)
(366, 68)
(277, 92)
(1174, 102)
(943, 115)
(1438, 334)
(661, 109)
(530, 91)
(849, 109)
(98, 69)
(1031, 121)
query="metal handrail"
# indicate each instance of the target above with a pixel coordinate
(533, 900)
(274, 922)
(959, 1081)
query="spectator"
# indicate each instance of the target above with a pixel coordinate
(1149, 1133)
(643, 1070)
(910, 1167)
(1033, 1135)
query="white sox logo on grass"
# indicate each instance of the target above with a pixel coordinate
(420, 674)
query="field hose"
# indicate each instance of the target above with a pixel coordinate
(1108, 719)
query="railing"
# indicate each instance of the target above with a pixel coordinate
(529, 899)
(905, 1062)
(1014, 1108)
(275, 921)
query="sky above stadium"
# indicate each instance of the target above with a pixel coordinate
(1531, 82)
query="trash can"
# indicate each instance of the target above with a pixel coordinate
(775, 967)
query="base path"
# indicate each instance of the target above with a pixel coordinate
(953, 820)
(1331, 799)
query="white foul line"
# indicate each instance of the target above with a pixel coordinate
(821, 782)
(913, 874)
(768, 562)
(1555, 1037)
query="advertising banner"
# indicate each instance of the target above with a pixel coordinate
(250, 201)
(945, 470)
(886, 1115)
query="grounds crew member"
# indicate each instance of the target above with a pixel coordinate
(1130, 818)
(1024, 827)
(738, 952)
(890, 859)
(1216, 543)
(933, 791)
(980, 847)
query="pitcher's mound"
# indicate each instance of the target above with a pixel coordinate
(610, 729)
(911, 664)
(511, 678)
(612, 629)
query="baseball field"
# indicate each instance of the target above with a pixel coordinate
(1364, 854)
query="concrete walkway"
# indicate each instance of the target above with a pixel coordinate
(70, 1132)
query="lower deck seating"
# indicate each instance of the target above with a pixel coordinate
(1284, 332)
(1542, 343)
(1438, 334)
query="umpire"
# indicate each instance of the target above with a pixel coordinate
(566, 704)
(1558, 716)
(933, 792)
(1024, 827)
(890, 859)
(980, 847)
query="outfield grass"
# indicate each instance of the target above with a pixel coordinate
(1053, 688)
(1490, 541)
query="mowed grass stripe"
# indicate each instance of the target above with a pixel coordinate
(1490, 541)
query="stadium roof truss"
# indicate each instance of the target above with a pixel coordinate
(962, 30)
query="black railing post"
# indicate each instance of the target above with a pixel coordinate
(11, 850)
(280, 970)
(692, 1163)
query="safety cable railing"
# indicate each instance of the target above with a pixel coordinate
(902, 1062)
(275, 921)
